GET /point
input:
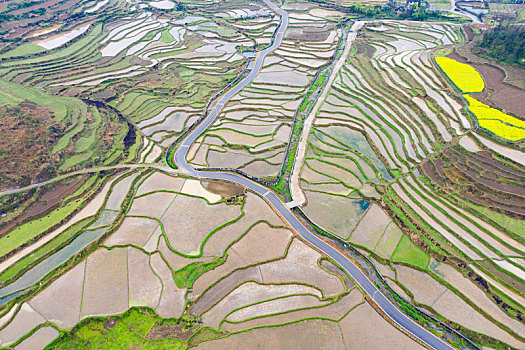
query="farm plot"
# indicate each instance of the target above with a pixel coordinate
(385, 112)
(253, 129)
(468, 80)
(164, 69)
(255, 252)
(445, 302)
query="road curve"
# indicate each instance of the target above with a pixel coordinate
(352, 268)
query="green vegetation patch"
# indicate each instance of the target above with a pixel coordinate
(505, 43)
(28, 231)
(408, 253)
(138, 328)
(23, 50)
(185, 277)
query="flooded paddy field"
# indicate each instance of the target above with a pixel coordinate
(101, 236)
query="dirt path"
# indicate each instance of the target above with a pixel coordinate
(295, 182)
(87, 171)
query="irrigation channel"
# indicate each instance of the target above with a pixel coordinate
(353, 269)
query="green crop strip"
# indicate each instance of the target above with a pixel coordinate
(185, 277)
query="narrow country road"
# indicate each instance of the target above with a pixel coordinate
(295, 183)
(87, 171)
(352, 268)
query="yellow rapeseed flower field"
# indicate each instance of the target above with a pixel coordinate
(465, 77)
(497, 122)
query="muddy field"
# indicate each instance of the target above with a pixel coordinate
(480, 178)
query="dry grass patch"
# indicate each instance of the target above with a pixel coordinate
(223, 188)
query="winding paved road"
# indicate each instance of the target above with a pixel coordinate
(352, 268)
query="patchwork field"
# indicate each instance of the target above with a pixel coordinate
(386, 137)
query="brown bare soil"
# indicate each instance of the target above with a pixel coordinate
(52, 196)
(508, 279)
(23, 20)
(509, 98)
(468, 32)
(300, 34)
(178, 330)
(481, 178)
(25, 154)
(363, 49)
(505, 84)
(223, 287)
(224, 189)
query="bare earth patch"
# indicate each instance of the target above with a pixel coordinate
(144, 286)
(310, 334)
(39, 339)
(106, 283)
(359, 324)
(132, 231)
(60, 302)
(26, 319)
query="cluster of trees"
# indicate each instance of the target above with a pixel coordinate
(505, 43)
(6, 17)
(23, 5)
(415, 11)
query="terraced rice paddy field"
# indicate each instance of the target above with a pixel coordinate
(103, 243)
